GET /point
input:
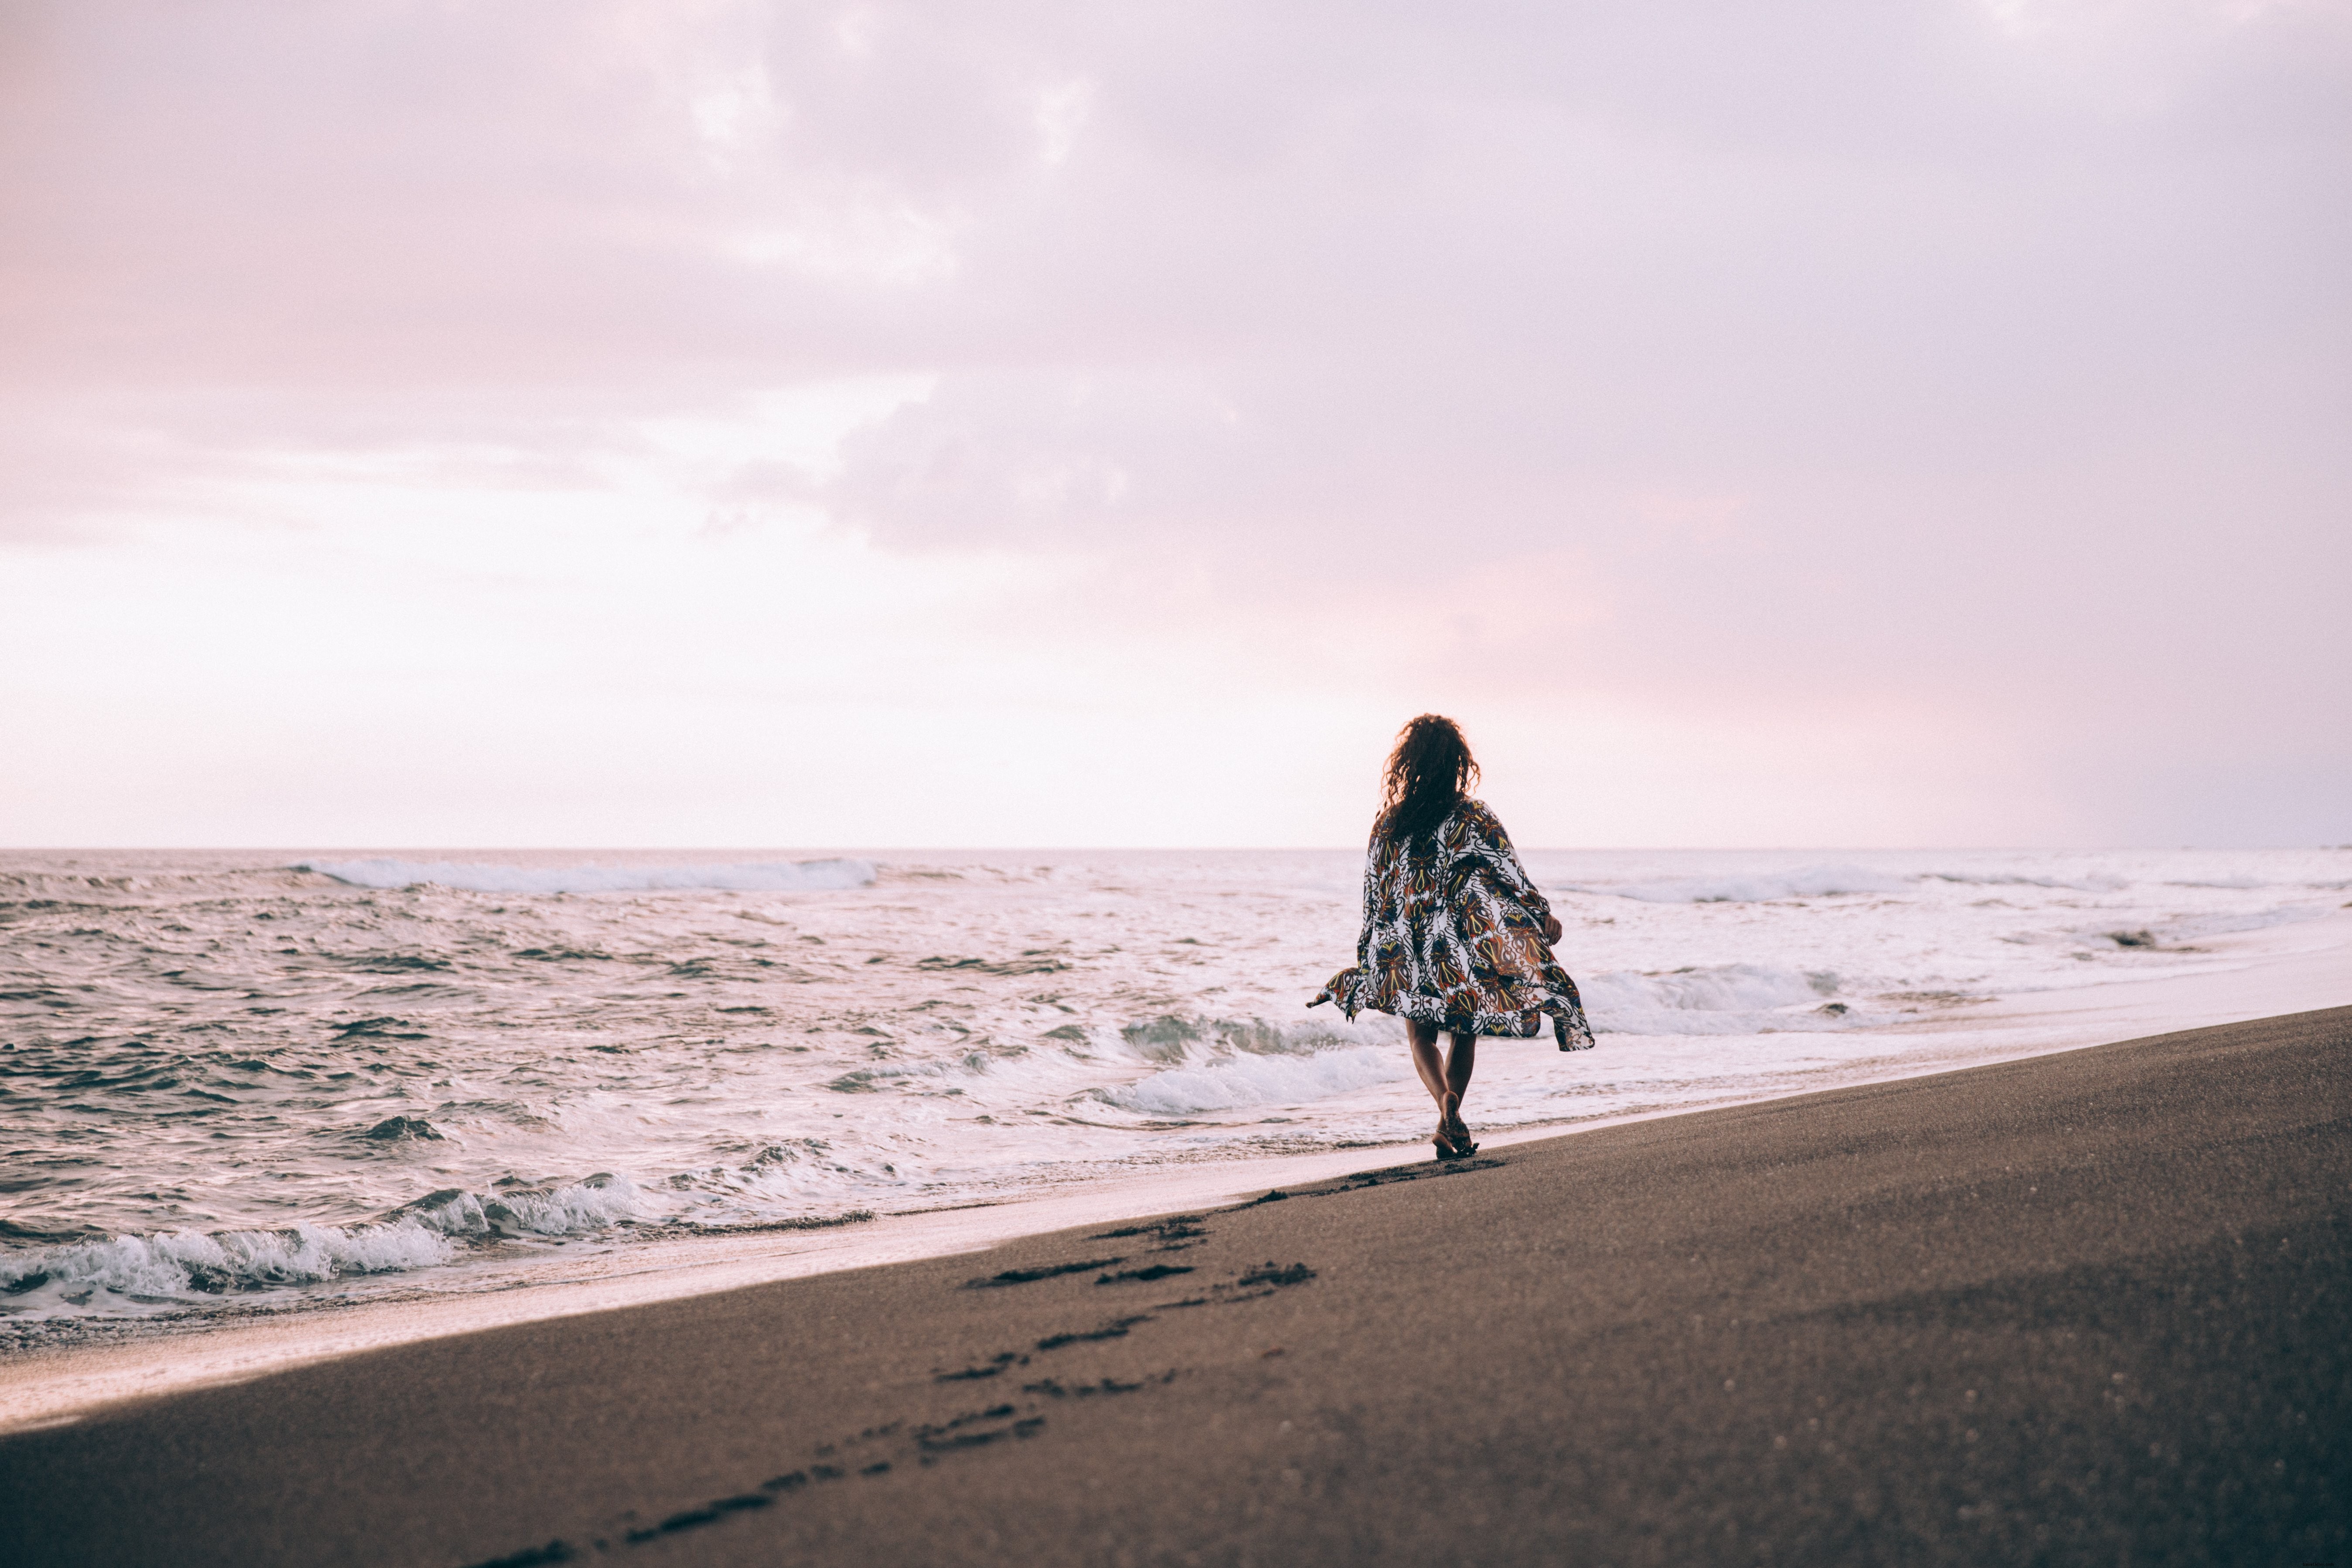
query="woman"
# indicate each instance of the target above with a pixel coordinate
(1455, 936)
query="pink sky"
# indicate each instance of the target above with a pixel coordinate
(735, 424)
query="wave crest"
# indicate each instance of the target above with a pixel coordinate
(1237, 1083)
(1719, 999)
(574, 1209)
(2091, 882)
(181, 1265)
(1234, 1063)
(1806, 882)
(746, 876)
(177, 1268)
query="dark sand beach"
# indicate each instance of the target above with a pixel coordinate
(2086, 1307)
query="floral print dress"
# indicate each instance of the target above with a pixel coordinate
(1453, 936)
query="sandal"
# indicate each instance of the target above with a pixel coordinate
(1456, 1130)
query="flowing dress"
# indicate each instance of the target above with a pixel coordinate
(1453, 936)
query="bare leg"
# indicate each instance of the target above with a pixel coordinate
(1446, 1079)
(1422, 1039)
(1461, 1061)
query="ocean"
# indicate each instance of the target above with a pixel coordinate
(234, 1082)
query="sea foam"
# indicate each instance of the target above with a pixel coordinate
(1807, 882)
(576, 1208)
(749, 877)
(199, 1045)
(1238, 1082)
(1719, 999)
(188, 1263)
(1227, 1064)
(2091, 882)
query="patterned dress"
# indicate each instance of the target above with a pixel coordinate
(1454, 937)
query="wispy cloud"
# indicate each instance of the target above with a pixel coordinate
(1939, 407)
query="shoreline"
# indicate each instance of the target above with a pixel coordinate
(2287, 970)
(2084, 1305)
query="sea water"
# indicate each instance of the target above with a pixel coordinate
(233, 1081)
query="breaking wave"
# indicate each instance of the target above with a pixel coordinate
(1237, 1083)
(175, 1268)
(1211, 1065)
(749, 877)
(236, 1083)
(188, 1265)
(1808, 883)
(574, 1209)
(2095, 882)
(1723, 999)
(1226, 1064)
(2181, 929)
(1833, 881)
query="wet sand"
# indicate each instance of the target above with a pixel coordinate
(2088, 1307)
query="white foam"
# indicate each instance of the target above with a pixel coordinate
(1719, 999)
(1806, 882)
(192, 1265)
(577, 1208)
(1239, 1081)
(1233, 1064)
(997, 1025)
(2095, 882)
(178, 1266)
(750, 876)
(2195, 928)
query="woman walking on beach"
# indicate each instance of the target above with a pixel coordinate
(1456, 937)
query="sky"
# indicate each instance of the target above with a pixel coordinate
(1798, 423)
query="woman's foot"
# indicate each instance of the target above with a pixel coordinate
(1455, 1130)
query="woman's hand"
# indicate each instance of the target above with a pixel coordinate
(1551, 928)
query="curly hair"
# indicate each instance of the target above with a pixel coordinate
(1427, 773)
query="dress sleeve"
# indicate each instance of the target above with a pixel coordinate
(1371, 901)
(1491, 846)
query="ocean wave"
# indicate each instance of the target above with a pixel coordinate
(1834, 881)
(574, 1208)
(2095, 882)
(966, 1028)
(174, 1268)
(2172, 929)
(1806, 882)
(1721, 999)
(187, 1266)
(1224, 1064)
(1239, 1082)
(1233, 1064)
(746, 876)
(1170, 1039)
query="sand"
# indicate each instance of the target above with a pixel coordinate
(2092, 1307)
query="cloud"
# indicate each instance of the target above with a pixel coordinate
(1973, 370)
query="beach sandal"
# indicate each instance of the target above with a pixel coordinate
(1456, 1131)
